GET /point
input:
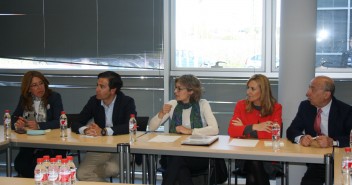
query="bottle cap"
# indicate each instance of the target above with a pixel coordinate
(63, 112)
(46, 157)
(132, 115)
(39, 160)
(53, 160)
(69, 157)
(347, 149)
(64, 161)
(59, 157)
(7, 111)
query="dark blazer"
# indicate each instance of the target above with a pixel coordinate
(339, 123)
(123, 107)
(53, 112)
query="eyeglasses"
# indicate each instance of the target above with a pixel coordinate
(36, 85)
(179, 89)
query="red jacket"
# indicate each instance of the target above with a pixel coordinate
(253, 117)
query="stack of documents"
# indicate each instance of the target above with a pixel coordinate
(200, 140)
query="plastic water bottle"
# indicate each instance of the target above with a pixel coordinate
(133, 128)
(7, 124)
(63, 124)
(46, 161)
(40, 173)
(53, 171)
(345, 167)
(351, 138)
(64, 173)
(58, 160)
(275, 132)
(73, 168)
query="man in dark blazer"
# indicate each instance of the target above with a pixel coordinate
(335, 124)
(110, 112)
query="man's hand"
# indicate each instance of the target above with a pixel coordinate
(317, 142)
(306, 140)
(93, 130)
(324, 141)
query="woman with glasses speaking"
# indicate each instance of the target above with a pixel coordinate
(188, 114)
(39, 108)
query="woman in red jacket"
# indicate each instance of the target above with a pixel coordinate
(253, 118)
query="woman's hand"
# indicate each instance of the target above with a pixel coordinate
(264, 126)
(33, 125)
(183, 130)
(237, 122)
(166, 109)
(20, 123)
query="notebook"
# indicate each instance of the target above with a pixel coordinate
(200, 140)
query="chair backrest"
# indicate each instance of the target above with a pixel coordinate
(72, 119)
(142, 122)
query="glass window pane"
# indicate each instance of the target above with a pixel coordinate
(275, 64)
(84, 34)
(219, 34)
(332, 3)
(331, 37)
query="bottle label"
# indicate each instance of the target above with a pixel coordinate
(276, 132)
(65, 176)
(63, 122)
(53, 176)
(73, 173)
(346, 164)
(39, 176)
(8, 121)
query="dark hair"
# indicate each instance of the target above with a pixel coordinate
(27, 102)
(192, 83)
(115, 80)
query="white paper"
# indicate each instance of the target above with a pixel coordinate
(244, 142)
(164, 139)
(270, 143)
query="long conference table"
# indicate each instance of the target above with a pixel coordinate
(220, 149)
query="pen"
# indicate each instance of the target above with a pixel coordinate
(19, 117)
(315, 137)
(23, 119)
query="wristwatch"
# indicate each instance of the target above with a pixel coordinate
(103, 132)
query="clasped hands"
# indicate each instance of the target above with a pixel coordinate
(21, 123)
(321, 141)
(263, 126)
(92, 130)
